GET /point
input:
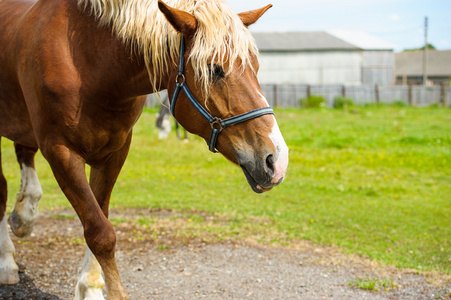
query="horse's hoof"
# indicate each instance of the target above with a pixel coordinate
(90, 294)
(83, 291)
(18, 227)
(9, 275)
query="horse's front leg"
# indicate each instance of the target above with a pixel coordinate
(24, 215)
(25, 212)
(9, 271)
(102, 179)
(8, 267)
(69, 170)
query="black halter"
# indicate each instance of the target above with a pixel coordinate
(217, 124)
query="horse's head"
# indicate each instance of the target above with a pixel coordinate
(229, 110)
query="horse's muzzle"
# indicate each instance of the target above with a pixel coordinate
(265, 173)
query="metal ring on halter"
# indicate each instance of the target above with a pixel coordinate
(177, 78)
(217, 121)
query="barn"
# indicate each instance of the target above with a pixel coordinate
(409, 67)
(324, 58)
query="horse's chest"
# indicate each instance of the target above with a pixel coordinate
(102, 144)
(98, 137)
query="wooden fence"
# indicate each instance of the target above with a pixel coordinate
(289, 95)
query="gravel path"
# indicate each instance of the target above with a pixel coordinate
(194, 269)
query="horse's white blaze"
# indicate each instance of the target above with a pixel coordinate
(281, 159)
(90, 283)
(263, 98)
(28, 198)
(8, 267)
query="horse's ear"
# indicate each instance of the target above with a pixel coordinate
(182, 21)
(250, 17)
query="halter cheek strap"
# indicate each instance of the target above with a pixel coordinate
(217, 124)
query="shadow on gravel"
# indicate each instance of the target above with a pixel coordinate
(24, 290)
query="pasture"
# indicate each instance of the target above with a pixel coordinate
(375, 181)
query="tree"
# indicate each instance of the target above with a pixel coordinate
(430, 47)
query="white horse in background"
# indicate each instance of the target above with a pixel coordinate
(163, 122)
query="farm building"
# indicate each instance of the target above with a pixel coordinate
(322, 58)
(409, 67)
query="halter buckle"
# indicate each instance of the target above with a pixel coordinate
(216, 124)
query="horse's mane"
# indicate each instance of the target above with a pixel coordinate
(221, 36)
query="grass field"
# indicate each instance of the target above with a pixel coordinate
(375, 181)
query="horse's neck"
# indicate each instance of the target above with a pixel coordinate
(120, 69)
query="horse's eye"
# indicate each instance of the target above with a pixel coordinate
(217, 71)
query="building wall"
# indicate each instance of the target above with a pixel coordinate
(311, 67)
(378, 67)
(328, 67)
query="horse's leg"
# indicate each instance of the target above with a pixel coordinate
(90, 282)
(102, 180)
(9, 271)
(164, 120)
(91, 201)
(25, 211)
(186, 135)
(69, 170)
(177, 130)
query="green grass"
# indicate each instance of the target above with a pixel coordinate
(376, 182)
(374, 284)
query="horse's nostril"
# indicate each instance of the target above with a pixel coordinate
(270, 162)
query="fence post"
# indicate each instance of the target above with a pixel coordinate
(378, 99)
(276, 95)
(410, 94)
(309, 91)
(343, 91)
(443, 95)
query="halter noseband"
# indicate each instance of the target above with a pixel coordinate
(217, 124)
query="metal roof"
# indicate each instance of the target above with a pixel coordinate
(411, 63)
(298, 41)
(362, 39)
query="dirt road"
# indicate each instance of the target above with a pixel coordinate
(193, 269)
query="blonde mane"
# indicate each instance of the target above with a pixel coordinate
(221, 36)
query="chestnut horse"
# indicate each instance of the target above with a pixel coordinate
(72, 73)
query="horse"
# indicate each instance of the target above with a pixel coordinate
(163, 122)
(72, 76)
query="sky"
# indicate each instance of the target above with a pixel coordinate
(398, 22)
